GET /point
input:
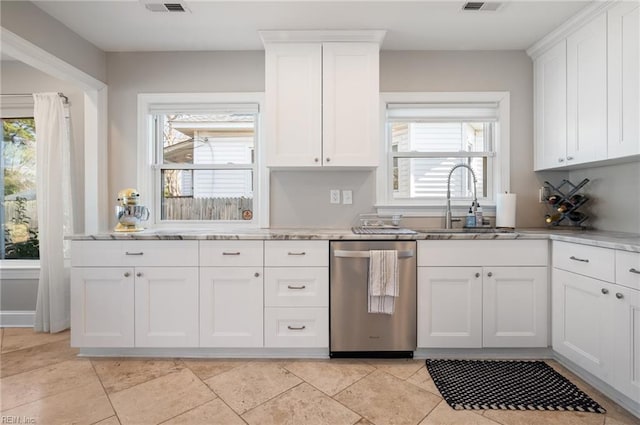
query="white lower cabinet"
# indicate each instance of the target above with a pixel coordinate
(450, 307)
(231, 306)
(303, 327)
(626, 319)
(102, 307)
(514, 308)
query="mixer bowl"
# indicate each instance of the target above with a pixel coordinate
(130, 216)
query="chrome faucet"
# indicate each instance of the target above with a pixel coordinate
(447, 216)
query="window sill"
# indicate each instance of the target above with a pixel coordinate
(408, 210)
(20, 269)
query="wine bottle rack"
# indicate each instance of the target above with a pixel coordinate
(569, 200)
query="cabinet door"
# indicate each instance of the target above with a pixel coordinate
(231, 307)
(515, 307)
(293, 104)
(624, 79)
(102, 305)
(551, 107)
(587, 92)
(450, 307)
(350, 104)
(627, 342)
(582, 321)
(166, 306)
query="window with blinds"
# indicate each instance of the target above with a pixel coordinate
(426, 140)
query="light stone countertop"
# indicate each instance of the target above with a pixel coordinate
(613, 240)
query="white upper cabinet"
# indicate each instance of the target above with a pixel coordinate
(624, 79)
(587, 93)
(550, 75)
(322, 104)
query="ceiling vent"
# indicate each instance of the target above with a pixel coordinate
(159, 6)
(482, 6)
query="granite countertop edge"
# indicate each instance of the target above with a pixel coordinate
(612, 240)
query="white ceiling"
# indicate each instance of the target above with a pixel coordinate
(232, 25)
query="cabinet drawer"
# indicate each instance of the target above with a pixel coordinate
(483, 253)
(134, 253)
(296, 287)
(628, 269)
(231, 253)
(296, 327)
(586, 260)
(296, 253)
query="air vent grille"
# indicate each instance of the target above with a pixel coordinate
(159, 6)
(482, 6)
(174, 7)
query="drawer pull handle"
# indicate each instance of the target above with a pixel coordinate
(604, 291)
(619, 295)
(583, 260)
(636, 271)
(297, 253)
(134, 253)
(293, 328)
(296, 287)
(230, 253)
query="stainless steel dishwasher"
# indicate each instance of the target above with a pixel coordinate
(356, 332)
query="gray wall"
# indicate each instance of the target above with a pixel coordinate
(28, 21)
(615, 196)
(18, 294)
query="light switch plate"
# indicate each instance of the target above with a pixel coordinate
(347, 197)
(334, 196)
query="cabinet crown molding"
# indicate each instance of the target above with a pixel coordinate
(319, 36)
(570, 25)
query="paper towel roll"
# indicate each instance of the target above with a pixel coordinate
(506, 210)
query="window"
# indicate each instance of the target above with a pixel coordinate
(204, 159)
(427, 134)
(18, 213)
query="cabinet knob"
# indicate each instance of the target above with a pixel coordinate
(619, 295)
(127, 274)
(256, 274)
(316, 159)
(477, 274)
(328, 160)
(604, 291)
(139, 274)
(569, 158)
(489, 274)
(560, 159)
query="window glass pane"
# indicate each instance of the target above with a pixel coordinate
(208, 138)
(441, 136)
(426, 178)
(18, 211)
(207, 194)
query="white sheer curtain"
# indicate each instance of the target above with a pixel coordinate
(55, 216)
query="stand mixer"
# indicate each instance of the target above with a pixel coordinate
(129, 214)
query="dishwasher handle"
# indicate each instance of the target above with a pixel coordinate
(342, 253)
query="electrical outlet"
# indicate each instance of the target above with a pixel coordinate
(334, 196)
(347, 197)
(543, 194)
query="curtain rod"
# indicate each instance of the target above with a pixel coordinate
(62, 95)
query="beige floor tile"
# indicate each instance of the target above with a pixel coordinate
(206, 368)
(422, 379)
(35, 357)
(120, 374)
(330, 376)
(212, 413)
(160, 399)
(246, 387)
(400, 368)
(443, 414)
(19, 338)
(83, 405)
(1, 337)
(611, 421)
(385, 399)
(30, 386)
(364, 421)
(507, 417)
(109, 421)
(302, 404)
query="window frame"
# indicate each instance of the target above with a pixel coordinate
(498, 177)
(150, 167)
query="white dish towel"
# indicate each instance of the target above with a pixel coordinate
(383, 285)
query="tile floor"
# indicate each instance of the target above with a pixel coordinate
(42, 382)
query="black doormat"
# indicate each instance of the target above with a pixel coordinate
(507, 385)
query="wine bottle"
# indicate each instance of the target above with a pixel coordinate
(576, 216)
(553, 199)
(551, 218)
(564, 207)
(576, 199)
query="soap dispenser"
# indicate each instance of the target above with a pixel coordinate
(471, 219)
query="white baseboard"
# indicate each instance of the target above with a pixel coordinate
(17, 319)
(484, 353)
(239, 353)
